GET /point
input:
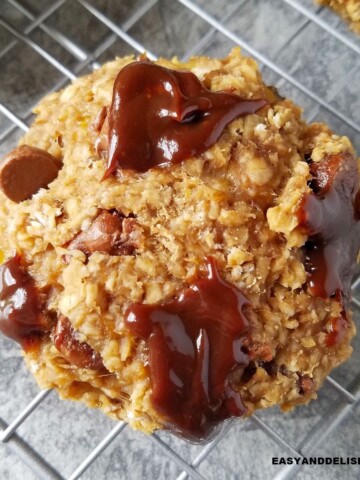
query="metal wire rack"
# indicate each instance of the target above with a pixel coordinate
(42, 45)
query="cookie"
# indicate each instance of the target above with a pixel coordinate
(184, 247)
(349, 10)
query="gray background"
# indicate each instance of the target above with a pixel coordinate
(64, 433)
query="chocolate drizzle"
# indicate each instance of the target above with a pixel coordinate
(21, 307)
(160, 116)
(195, 345)
(330, 218)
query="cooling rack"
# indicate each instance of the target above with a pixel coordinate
(309, 54)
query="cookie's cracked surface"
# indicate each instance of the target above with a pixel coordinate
(104, 252)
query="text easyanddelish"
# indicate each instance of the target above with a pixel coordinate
(316, 461)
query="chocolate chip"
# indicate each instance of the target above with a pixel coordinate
(75, 352)
(308, 159)
(249, 372)
(306, 384)
(283, 370)
(25, 170)
(269, 367)
(110, 233)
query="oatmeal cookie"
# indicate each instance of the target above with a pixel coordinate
(178, 244)
(348, 9)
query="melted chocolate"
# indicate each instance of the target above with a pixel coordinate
(21, 316)
(159, 117)
(77, 353)
(330, 218)
(194, 347)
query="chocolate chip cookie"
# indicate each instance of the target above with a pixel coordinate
(179, 244)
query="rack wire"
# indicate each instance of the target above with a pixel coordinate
(214, 26)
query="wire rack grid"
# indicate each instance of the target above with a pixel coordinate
(305, 51)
